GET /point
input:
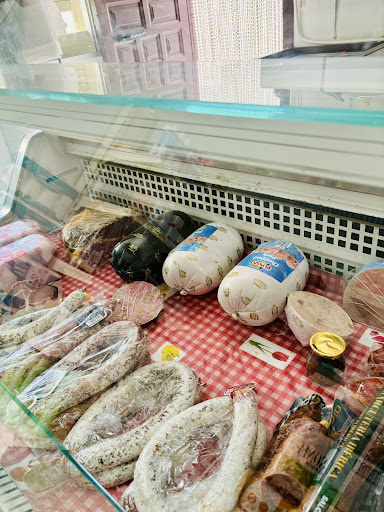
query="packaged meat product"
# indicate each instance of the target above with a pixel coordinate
(299, 443)
(200, 262)
(200, 459)
(91, 367)
(139, 302)
(18, 229)
(21, 331)
(255, 291)
(121, 422)
(90, 236)
(24, 297)
(27, 259)
(308, 313)
(347, 466)
(364, 296)
(21, 367)
(140, 256)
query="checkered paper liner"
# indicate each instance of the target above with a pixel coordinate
(210, 339)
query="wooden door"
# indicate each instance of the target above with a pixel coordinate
(164, 23)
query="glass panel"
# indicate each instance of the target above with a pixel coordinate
(40, 469)
(323, 89)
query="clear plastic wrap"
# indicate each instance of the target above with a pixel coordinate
(200, 459)
(25, 328)
(90, 368)
(138, 302)
(24, 297)
(19, 229)
(351, 463)
(21, 367)
(294, 454)
(90, 236)
(364, 296)
(120, 423)
(27, 259)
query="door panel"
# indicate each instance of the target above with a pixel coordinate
(165, 23)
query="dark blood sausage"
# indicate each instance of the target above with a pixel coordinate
(140, 256)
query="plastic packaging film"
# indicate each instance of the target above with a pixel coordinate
(255, 291)
(21, 367)
(120, 423)
(140, 255)
(364, 296)
(90, 368)
(200, 262)
(200, 459)
(138, 302)
(90, 236)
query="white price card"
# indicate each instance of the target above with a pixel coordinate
(168, 352)
(267, 351)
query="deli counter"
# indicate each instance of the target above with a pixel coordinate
(192, 287)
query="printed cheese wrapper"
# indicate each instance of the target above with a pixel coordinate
(255, 292)
(200, 262)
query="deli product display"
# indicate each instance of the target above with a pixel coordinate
(90, 236)
(200, 262)
(256, 290)
(364, 296)
(18, 229)
(308, 313)
(140, 255)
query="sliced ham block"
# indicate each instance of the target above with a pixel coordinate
(308, 313)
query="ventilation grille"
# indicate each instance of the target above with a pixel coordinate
(332, 242)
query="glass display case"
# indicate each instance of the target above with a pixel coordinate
(288, 150)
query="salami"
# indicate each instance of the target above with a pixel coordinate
(364, 296)
(308, 313)
(199, 460)
(138, 302)
(255, 291)
(114, 430)
(200, 262)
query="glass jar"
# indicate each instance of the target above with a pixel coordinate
(325, 361)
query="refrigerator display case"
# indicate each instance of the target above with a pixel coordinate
(299, 158)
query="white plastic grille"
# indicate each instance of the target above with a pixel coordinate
(11, 499)
(332, 240)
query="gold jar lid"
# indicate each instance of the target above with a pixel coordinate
(327, 344)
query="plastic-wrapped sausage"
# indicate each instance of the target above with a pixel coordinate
(200, 459)
(91, 367)
(116, 428)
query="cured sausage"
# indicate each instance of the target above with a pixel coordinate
(116, 428)
(56, 315)
(200, 262)
(96, 363)
(164, 467)
(139, 302)
(255, 291)
(308, 313)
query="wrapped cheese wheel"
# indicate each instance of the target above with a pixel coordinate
(308, 313)
(199, 263)
(255, 292)
(19, 229)
(364, 296)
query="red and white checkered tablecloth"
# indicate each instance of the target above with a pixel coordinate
(211, 340)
